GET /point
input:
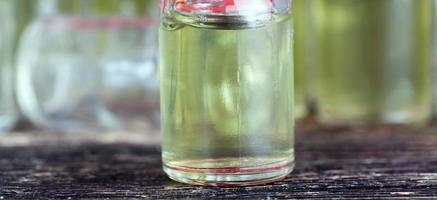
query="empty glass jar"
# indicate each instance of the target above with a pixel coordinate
(8, 111)
(372, 59)
(91, 64)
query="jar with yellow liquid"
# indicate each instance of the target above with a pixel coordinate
(434, 63)
(304, 62)
(372, 59)
(227, 91)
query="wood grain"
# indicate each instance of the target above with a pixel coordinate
(332, 162)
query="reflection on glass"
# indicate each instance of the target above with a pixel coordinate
(8, 112)
(91, 64)
(372, 60)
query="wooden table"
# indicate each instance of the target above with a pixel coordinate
(332, 162)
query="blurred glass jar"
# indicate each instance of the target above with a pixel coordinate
(8, 111)
(304, 59)
(91, 64)
(372, 59)
(434, 62)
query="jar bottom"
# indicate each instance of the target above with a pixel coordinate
(223, 173)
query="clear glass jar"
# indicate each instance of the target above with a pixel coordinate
(8, 111)
(227, 91)
(89, 64)
(372, 60)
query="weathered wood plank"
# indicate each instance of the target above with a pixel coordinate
(368, 162)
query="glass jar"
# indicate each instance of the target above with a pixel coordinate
(372, 60)
(305, 48)
(8, 111)
(89, 64)
(434, 63)
(226, 91)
